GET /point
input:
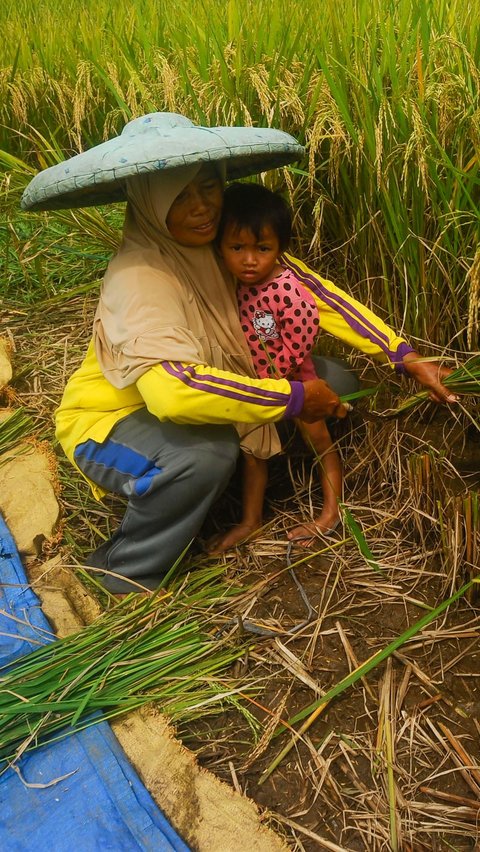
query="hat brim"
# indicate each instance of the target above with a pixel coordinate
(154, 143)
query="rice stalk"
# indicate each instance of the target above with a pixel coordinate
(160, 649)
(464, 380)
(473, 301)
(13, 428)
(386, 740)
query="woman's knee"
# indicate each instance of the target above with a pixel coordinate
(337, 374)
(214, 462)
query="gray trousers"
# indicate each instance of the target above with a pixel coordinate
(337, 374)
(170, 474)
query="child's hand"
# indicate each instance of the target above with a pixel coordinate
(320, 401)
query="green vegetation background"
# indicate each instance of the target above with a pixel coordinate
(384, 93)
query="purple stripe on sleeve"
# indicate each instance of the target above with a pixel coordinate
(252, 390)
(297, 398)
(402, 350)
(188, 376)
(360, 324)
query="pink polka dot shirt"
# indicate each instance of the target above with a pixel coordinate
(280, 321)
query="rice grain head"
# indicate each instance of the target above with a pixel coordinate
(258, 79)
(328, 126)
(167, 81)
(84, 95)
(417, 144)
(473, 276)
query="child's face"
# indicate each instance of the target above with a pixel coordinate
(252, 261)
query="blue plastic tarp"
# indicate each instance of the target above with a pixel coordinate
(100, 802)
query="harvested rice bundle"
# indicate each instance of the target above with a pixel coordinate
(155, 649)
(465, 380)
(14, 425)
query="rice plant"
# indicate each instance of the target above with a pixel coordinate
(386, 96)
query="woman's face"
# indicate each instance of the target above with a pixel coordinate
(194, 215)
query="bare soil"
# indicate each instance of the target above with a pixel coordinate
(334, 783)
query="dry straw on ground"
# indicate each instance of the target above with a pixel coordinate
(394, 762)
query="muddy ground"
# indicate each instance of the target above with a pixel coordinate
(334, 784)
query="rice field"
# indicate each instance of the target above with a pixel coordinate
(385, 95)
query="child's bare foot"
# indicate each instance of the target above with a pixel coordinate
(224, 541)
(305, 534)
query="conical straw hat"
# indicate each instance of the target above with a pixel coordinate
(160, 140)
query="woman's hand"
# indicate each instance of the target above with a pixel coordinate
(430, 375)
(320, 401)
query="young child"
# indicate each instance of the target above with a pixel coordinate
(280, 320)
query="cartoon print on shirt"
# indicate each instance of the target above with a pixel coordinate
(265, 325)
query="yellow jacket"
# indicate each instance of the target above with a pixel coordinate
(192, 393)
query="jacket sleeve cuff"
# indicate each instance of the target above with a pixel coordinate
(296, 401)
(402, 350)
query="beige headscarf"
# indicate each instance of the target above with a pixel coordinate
(163, 301)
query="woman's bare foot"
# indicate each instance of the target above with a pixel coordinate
(305, 534)
(224, 541)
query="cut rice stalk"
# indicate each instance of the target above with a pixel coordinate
(157, 649)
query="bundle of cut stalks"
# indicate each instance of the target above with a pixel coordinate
(14, 426)
(158, 649)
(465, 380)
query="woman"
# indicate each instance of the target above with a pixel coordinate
(150, 414)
